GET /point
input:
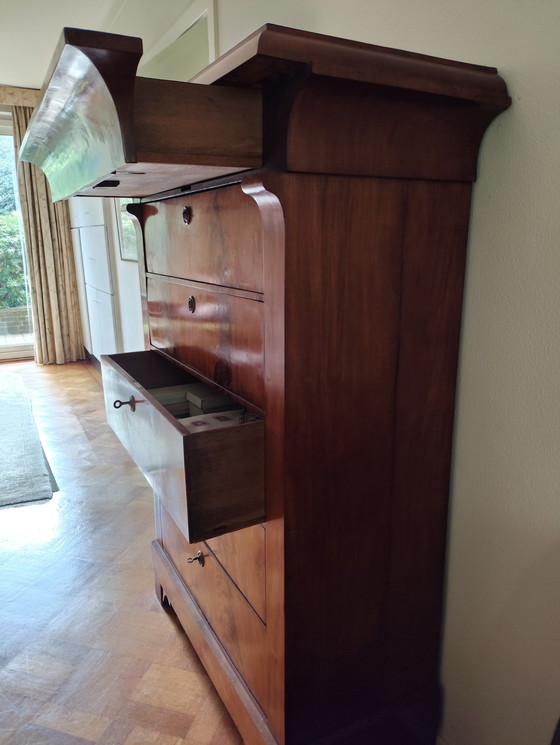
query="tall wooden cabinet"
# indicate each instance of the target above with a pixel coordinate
(304, 218)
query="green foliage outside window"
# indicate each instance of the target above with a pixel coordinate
(12, 276)
(12, 272)
(7, 198)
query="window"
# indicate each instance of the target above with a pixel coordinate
(16, 332)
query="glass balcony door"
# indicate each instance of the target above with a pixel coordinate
(16, 331)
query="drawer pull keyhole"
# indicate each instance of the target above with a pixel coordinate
(131, 402)
(187, 215)
(199, 557)
(191, 304)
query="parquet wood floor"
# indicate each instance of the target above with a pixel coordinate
(87, 654)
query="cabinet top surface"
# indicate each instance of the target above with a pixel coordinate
(351, 60)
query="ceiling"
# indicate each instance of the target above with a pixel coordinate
(30, 29)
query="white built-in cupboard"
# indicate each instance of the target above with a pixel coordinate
(108, 286)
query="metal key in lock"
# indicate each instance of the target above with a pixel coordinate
(199, 557)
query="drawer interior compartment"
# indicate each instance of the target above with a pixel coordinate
(213, 236)
(210, 479)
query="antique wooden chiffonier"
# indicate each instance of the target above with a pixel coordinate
(303, 210)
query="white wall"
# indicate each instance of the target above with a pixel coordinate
(145, 18)
(501, 656)
(108, 287)
(126, 277)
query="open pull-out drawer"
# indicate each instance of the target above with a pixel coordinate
(210, 481)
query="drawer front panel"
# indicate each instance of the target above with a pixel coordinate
(211, 482)
(235, 623)
(242, 554)
(152, 437)
(213, 332)
(213, 236)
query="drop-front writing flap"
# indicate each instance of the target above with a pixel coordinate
(100, 130)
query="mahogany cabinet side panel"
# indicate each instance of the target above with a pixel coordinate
(273, 223)
(409, 134)
(432, 290)
(343, 269)
(273, 50)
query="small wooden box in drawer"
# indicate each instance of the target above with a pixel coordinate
(214, 236)
(209, 482)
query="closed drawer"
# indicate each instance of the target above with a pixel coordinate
(242, 555)
(211, 330)
(213, 236)
(210, 482)
(235, 623)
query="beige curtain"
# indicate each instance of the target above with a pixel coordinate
(50, 260)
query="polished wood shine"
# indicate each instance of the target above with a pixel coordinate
(426, 116)
(221, 337)
(434, 247)
(324, 291)
(126, 117)
(409, 132)
(214, 236)
(87, 654)
(242, 554)
(345, 355)
(211, 132)
(273, 49)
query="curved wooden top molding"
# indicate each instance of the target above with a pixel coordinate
(86, 98)
(353, 60)
(101, 130)
(283, 99)
(354, 128)
(344, 107)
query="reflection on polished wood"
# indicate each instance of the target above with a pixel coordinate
(92, 67)
(222, 338)
(87, 655)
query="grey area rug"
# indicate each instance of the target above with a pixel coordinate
(25, 475)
